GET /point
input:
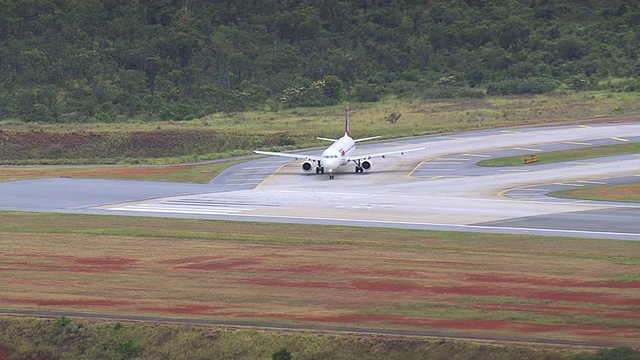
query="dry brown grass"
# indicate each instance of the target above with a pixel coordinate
(552, 288)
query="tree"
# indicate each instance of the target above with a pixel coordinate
(189, 58)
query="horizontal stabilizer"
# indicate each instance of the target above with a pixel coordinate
(326, 139)
(366, 139)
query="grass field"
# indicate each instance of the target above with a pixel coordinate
(419, 116)
(622, 193)
(566, 155)
(220, 135)
(546, 288)
(199, 174)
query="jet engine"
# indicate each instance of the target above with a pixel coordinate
(363, 166)
(307, 166)
(366, 165)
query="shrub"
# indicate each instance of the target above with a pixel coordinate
(451, 92)
(618, 353)
(129, 348)
(534, 85)
(282, 354)
(363, 92)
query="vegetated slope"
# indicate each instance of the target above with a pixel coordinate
(66, 338)
(109, 147)
(80, 60)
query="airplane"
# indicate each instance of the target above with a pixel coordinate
(338, 154)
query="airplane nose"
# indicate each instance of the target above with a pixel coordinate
(331, 164)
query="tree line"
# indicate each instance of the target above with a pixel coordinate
(106, 60)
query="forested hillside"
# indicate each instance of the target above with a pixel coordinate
(106, 60)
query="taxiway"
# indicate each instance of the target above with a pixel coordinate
(436, 188)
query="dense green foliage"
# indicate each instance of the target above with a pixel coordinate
(82, 60)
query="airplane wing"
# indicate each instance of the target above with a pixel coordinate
(382, 154)
(290, 155)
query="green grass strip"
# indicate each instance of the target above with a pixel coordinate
(619, 193)
(566, 155)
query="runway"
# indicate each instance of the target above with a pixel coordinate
(439, 188)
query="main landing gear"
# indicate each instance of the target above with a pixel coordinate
(362, 165)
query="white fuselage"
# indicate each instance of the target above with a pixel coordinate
(338, 153)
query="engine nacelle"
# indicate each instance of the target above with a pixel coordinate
(366, 165)
(307, 166)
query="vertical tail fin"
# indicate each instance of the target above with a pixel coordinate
(346, 123)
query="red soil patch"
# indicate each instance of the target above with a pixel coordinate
(93, 172)
(140, 170)
(4, 355)
(385, 286)
(546, 281)
(75, 303)
(87, 264)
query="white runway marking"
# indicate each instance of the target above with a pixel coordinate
(179, 209)
(478, 155)
(578, 143)
(619, 139)
(528, 149)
